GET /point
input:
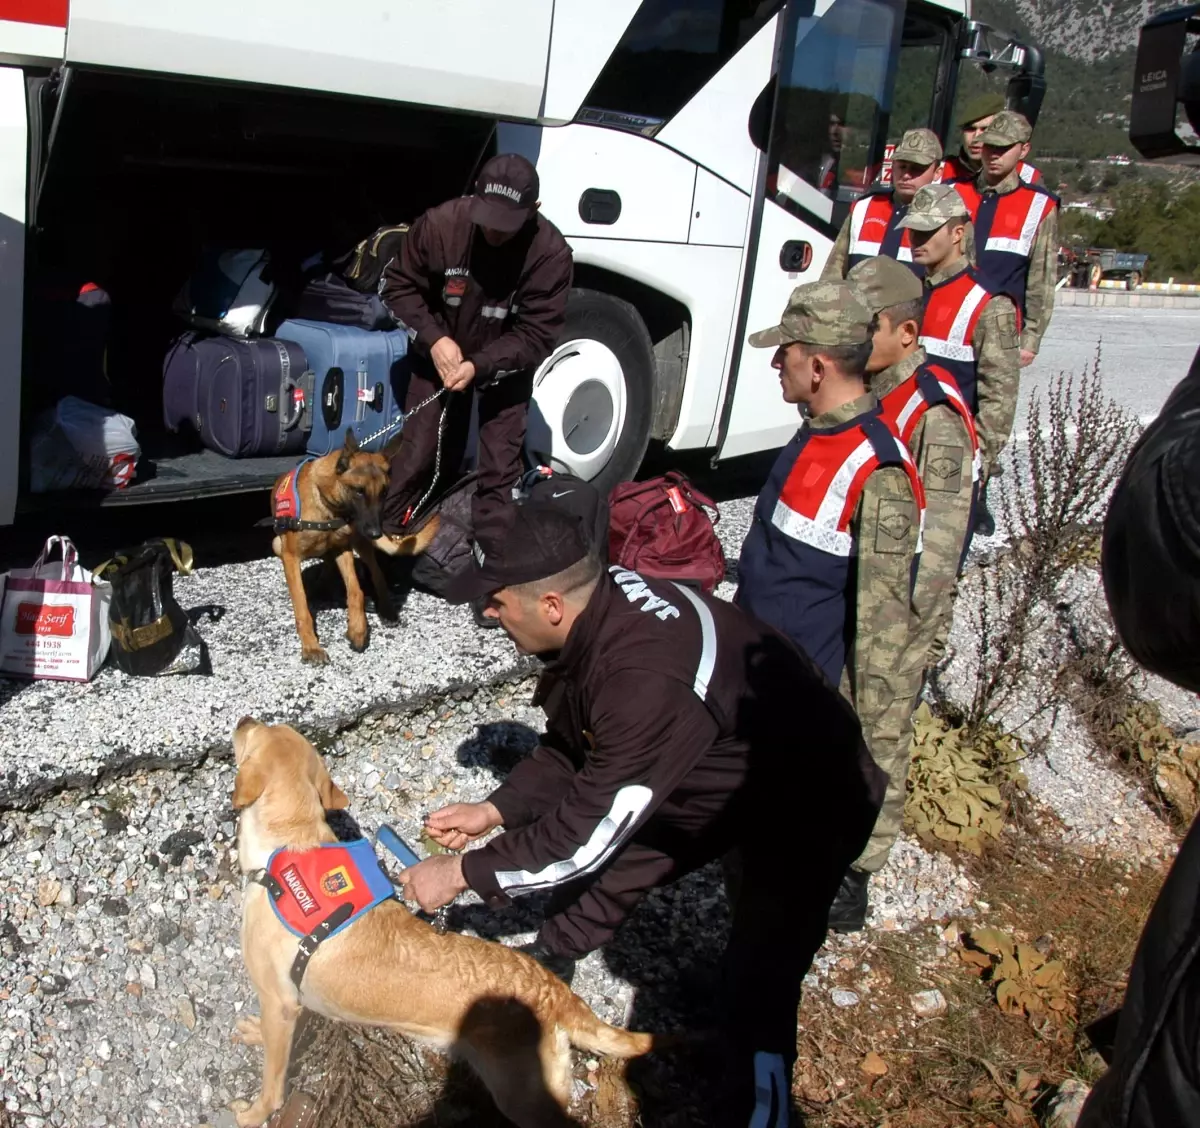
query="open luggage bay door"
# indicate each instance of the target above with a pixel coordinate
(472, 55)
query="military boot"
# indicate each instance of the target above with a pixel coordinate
(848, 913)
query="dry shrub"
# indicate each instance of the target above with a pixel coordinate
(1051, 500)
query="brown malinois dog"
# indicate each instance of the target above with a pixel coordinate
(329, 507)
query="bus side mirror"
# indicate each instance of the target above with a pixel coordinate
(1027, 88)
(758, 125)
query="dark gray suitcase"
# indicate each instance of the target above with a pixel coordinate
(244, 399)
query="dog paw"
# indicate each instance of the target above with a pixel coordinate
(248, 1031)
(314, 656)
(358, 639)
(386, 610)
(250, 1115)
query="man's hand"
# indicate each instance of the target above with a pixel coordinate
(1027, 358)
(456, 825)
(434, 882)
(446, 357)
(461, 378)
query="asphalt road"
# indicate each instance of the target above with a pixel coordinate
(1144, 353)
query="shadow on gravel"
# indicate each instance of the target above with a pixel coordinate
(497, 747)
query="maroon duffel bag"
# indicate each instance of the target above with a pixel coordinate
(662, 528)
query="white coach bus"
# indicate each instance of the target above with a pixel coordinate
(699, 156)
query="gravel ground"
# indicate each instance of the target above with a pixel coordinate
(59, 734)
(121, 976)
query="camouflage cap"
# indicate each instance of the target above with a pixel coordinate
(1008, 128)
(829, 313)
(981, 106)
(920, 146)
(933, 206)
(884, 283)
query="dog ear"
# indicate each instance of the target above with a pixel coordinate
(248, 785)
(349, 448)
(333, 798)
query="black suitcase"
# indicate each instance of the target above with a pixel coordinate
(244, 399)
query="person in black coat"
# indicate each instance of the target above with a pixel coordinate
(1151, 569)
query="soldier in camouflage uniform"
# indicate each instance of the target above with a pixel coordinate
(828, 559)
(924, 404)
(873, 225)
(1016, 228)
(981, 354)
(980, 348)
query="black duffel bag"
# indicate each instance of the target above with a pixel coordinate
(151, 632)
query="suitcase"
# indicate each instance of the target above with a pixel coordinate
(330, 299)
(243, 399)
(361, 376)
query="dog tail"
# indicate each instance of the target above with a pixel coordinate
(412, 544)
(587, 1032)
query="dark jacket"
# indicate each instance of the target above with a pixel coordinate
(672, 717)
(504, 306)
(1151, 567)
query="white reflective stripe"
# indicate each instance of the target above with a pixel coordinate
(708, 642)
(908, 410)
(822, 532)
(834, 502)
(976, 455)
(807, 531)
(498, 312)
(1023, 244)
(454, 301)
(962, 321)
(904, 254)
(947, 351)
(1026, 172)
(629, 804)
(858, 217)
(772, 1089)
(907, 457)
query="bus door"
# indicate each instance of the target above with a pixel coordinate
(852, 75)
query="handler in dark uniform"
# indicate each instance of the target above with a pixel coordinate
(481, 286)
(678, 728)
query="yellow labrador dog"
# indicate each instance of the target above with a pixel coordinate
(387, 967)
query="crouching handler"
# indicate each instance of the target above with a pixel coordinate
(678, 728)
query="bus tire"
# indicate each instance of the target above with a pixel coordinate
(593, 398)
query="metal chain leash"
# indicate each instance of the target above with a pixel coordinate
(402, 419)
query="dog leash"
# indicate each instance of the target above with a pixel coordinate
(403, 418)
(389, 838)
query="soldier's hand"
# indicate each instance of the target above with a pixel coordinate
(1027, 358)
(461, 378)
(456, 825)
(446, 357)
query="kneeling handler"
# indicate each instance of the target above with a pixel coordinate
(679, 728)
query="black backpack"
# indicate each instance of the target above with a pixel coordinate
(449, 553)
(363, 267)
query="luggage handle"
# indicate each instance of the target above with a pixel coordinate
(297, 392)
(69, 555)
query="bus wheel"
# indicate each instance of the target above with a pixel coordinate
(593, 398)
(1133, 281)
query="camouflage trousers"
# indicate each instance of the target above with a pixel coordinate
(886, 701)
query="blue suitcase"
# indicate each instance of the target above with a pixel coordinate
(361, 376)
